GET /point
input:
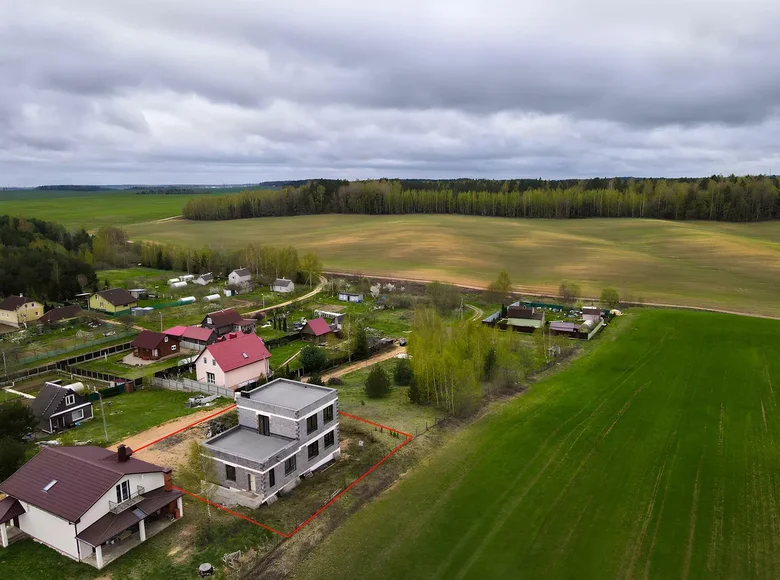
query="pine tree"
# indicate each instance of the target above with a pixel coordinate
(377, 383)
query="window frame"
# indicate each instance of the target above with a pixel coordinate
(228, 469)
(316, 446)
(123, 491)
(332, 436)
(263, 424)
(327, 414)
(309, 428)
(290, 465)
(271, 477)
(211, 378)
(70, 400)
(73, 415)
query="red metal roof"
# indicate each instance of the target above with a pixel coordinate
(83, 475)
(176, 330)
(233, 353)
(198, 333)
(148, 339)
(318, 326)
(10, 508)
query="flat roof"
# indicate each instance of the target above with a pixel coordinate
(248, 443)
(289, 394)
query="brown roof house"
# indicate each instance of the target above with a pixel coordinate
(58, 407)
(60, 314)
(114, 301)
(17, 311)
(88, 503)
(524, 319)
(150, 345)
(227, 321)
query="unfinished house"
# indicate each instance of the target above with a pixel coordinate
(287, 430)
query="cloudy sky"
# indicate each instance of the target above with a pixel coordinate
(207, 91)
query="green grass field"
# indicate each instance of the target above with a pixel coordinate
(656, 456)
(721, 265)
(129, 414)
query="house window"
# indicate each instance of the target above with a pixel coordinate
(329, 439)
(165, 339)
(78, 414)
(205, 361)
(289, 465)
(213, 362)
(123, 492)
(314, 449)
(155, 352)
(230, 473)
(263, 425)
(208, 321)
(173, 347)
(271, 478)
(311, 424)
(327, 414)
(70, 400)
(211, 378)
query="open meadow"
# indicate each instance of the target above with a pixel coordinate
(633, 462)
(716, 265)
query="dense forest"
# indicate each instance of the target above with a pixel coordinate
(43, 260)
(737, 199)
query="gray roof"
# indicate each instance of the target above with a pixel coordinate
(289, 394)
(48, 399)
(248, 443)
(207, 277)
(242, 272)
(284, 282)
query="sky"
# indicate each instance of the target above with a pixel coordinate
(207, 92)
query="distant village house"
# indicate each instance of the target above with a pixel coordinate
(234, 361)
(16, 311)
(239, 277)
(283, 286)
(150, 345)
(59, 407)
(114, 301)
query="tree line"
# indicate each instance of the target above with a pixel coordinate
(42, 260)
(736, 199)
(112, 248)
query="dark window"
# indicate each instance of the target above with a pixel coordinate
(289, 465)
(311, 424)
(230, 473)
(263, 425)
(314, 449)
(123, 491)
(327, 414)
(330, 439)
(271, 478)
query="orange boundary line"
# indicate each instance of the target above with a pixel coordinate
(164, 437)
(333, 500)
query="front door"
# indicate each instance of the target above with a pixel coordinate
(252, 482)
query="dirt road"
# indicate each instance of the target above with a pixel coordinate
(478, 312)
(317, 290)
(145, 438)
(377, 358)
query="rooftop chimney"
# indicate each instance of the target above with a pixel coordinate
(123, 453)
(168, 479)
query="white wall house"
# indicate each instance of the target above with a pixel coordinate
(233, 361)
(283, 285)
(18, 310)
(240, 277)
(88, 503)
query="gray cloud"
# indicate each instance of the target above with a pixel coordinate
(163, 91)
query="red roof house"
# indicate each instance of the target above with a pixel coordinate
(150, 345)
(316, 330)
(234, 361)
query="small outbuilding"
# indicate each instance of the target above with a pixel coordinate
(239, 277)
(283, 286)
(59, 407)
(60, 314)
(350, 297)
(204, 279)
(316, 331)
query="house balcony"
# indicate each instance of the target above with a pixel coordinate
(135, 498)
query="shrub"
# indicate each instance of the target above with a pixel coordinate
(335, 382)
(402, 373)
(315, 378)
(11, 456)
(377, 383)
(313, 358)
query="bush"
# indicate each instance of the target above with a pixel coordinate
(335, 382)
(313, 359)
(11, 456)
(16, 421)
(377, 383)
(402, 373)
(610, 297)
(315, 378)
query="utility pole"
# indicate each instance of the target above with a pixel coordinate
(102, 412)
(161, 321)
(5, 368)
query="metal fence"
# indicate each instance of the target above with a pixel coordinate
(64, 365)
(190, 386)
(79, 346)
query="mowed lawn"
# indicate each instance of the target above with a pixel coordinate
(656, 456)
(719, 265)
